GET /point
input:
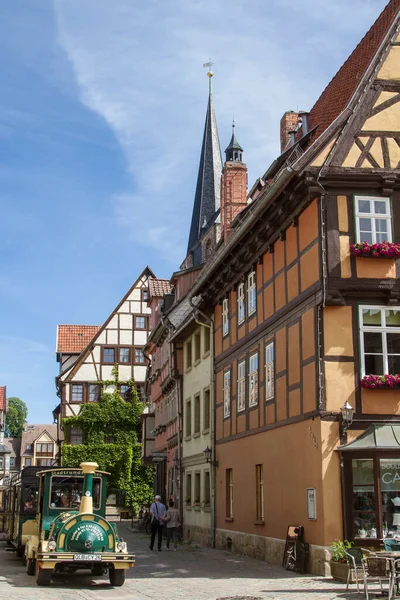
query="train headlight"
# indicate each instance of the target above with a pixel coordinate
(121, 546)
(52, 545)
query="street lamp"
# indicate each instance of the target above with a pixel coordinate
(347, 417)
(207, 455)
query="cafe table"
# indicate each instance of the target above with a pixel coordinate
(393, 556)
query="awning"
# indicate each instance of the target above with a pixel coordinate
(377, 436)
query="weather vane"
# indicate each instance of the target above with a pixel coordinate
(209, 64)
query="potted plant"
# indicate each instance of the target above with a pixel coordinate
(339, 559)
(188, 500)
(197, 501)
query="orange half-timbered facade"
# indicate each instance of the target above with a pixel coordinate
(305, 299)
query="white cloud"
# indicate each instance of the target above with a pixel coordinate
(139, 67)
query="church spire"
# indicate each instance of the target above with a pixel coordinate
(207, 196)
(234, 151)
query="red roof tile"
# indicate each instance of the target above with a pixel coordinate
(72, 339)
(159, 287)
(3, 398)
(337, 94)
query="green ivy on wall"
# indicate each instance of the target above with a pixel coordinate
(111, 430)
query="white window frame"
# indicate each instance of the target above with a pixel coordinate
(269, 371)
(241, 386)
(253, 379)
(373, 216)
(241, 302)
(227, 394)
(375, 329)
(225, 316)
(251, 293)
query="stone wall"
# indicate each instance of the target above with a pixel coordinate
(270, 550)
(197, 535)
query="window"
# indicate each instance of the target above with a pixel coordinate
(207, 488)
(124, 355)
(44, 462)
(229, 493)
(225, 316)
(140, 322)
(141, 392)
(251, 293)
(197, 489)
(66, 492)
(77, 392)
(125, 392)
(241, 304)
(241, 387)
(75, 436)
(28, 462)
(44, 449)
(94, 392)
(373, 219)
(253, 380)
(196, 428)
(12, 461)
(188, 418)
(207, 336)
(188, 354)
(1, 462)
(260, 492)
(188, 488)
(380, 340)
(227, 394)
(269, 371)
(206, 422)
(197, 346)
(139, 356)
(109, 355)
(145, 295)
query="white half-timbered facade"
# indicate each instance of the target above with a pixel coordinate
(87, 354)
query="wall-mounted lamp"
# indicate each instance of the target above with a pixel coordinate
(207, 455)
(347, 418)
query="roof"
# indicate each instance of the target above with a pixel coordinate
(3, 398)
(35, 431)
(376, 436)
(234, 144)
(72, 339)
(159, 287)
(207, 197)
(339, 91)
(14, 445)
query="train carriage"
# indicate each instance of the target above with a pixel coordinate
(71, 528)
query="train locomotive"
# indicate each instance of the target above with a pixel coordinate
(71, 528)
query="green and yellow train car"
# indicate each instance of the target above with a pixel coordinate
(71, 527)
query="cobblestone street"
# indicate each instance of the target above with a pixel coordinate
(191, 573)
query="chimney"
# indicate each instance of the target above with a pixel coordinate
(303, 117)
(289, 123)
(233, 194)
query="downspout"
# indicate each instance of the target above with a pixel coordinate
(210, 324)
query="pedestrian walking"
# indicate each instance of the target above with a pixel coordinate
(157, 511)
(173, 521)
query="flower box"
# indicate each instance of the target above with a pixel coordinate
(340, 570)
(373, 382)
(380, 250)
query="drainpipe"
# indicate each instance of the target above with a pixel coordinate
(210, 324)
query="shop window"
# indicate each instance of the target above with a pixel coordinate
(229, 493)
(269, 371)
(251, 293)
(76, 392)
(225, 316)
(206, 409)
(253, 380)
(188, 418)
(241, 386)
(373, 219)
(227, 393)
(380, 340)
(197, 346)
(241, 304)
(196, 401)
(260, 492)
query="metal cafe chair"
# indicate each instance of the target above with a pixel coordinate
(376, 568)
(395, 579)
(391, 545)
(355, 556)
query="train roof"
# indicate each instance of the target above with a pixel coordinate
(63, 469)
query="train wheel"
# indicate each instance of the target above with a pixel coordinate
(31, 566)
(43, 576)
(117, 576)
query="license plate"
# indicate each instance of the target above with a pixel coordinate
(87, 557)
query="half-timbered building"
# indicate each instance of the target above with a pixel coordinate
(88, 354)
(305, 298)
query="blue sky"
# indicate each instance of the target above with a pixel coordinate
(101, 118)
